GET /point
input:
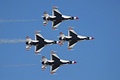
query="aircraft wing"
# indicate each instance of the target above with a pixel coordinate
(56, 23)
(39, 37)
(71, 44)
(54, 68)
(56, 12)
(72, 33)
(54, 56)
(38, 48)
(28, 47)
(40, 44)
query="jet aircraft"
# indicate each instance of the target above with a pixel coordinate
(72, 38)
(54, 63)
(39, 42)
(56, 18)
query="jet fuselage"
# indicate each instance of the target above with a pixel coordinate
(60, 18)
(58, 62)
(41, 42)
(75, 38)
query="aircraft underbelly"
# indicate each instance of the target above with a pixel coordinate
(35, 43)
(59, 18)
(75, 38)
(68, 39)
(50, 63)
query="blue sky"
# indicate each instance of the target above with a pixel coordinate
(98, 59)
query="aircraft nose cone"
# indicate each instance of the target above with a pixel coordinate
(75, 62)
(77, 18)
(92, 38)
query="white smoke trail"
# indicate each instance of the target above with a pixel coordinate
(18, 65)
(5, 41)
(29, 20)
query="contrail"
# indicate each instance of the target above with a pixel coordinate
(6, 41)
(29, 20)
(18, 65)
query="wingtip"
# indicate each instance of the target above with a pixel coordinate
(36, 53)
(69, 48)
(52, 72)
(53, 28)
(37, 32)
(70, 28)
(53, 52)
(54, 7)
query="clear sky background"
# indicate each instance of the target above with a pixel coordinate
(98, 59)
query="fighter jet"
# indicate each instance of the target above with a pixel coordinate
(72, 38)
(54, 63)
(56, 18)
(39, 42)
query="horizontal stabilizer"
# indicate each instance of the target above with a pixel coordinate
(46, 14)
(28, 39)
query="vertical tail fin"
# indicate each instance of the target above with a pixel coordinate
(28, 41)
(44, 63)
(61, 36)
(45, 18)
